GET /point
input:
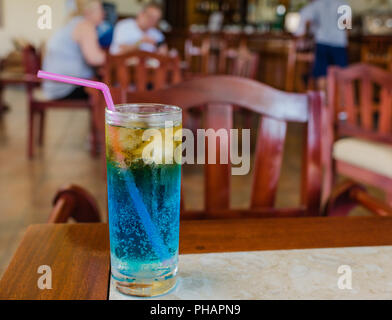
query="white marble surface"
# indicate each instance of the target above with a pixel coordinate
(284, 274)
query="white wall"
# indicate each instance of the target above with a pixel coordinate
(130, 7)
(20, 19)
(360, 6)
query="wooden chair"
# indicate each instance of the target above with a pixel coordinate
(217, 94)
(74, 202)
(238, 62)
(235, 58)
(360, 131)
(141, 71)
(233, 39)
(197, 55)
(38, 105)
(276, 109)
(300, 54)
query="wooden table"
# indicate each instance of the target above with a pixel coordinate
(78, 254)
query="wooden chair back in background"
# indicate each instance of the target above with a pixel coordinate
(360, 118)
(141, 71)
(300, 61)
(217, 95)
(358, 110)
(197, 54)
(234, 56)
(377, 51)
(238, 62)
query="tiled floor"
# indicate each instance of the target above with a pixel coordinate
(27, 187)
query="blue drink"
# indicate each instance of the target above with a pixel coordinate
(143, 199)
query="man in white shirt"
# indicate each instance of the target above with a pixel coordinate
(331, 42)
(139, 33)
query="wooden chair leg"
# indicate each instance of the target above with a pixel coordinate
(103, 162)
(348, 195)
(30, 137)
(94, 124)
(41, 128)
(94, 147)
(329, 163)
(329, 179)
(3, 106)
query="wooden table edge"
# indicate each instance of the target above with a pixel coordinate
(234, 235)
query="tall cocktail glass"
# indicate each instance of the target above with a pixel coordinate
(143, 151)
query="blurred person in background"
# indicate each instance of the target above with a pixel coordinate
(321, 16)
(140, 33)
(74, 50)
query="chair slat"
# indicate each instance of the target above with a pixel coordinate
(349, 101)
(141, 76)
(123, 77)
(132, 68)
(217, 176)
(160, 77)
(385, 112)
(269, 154)
(312, 164)
(366, 104)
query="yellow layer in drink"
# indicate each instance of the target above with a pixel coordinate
(152, 145)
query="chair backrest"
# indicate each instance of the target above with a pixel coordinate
(142, 70)
(217, 95)
(300, 50)
(238, 62)
(233, 39)
(197, 53)
(31, 59)
(360, 102)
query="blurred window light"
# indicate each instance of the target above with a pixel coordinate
(215, 21)
(281, 9)
(292, 22)
(377, 24)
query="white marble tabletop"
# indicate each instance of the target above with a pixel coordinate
(284, 274)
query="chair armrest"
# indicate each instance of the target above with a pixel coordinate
(348, 195)
(74, 202)
(31, 78)
(13, 78)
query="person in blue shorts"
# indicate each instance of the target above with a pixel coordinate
(331, 41)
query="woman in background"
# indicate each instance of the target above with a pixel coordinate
(74, 50)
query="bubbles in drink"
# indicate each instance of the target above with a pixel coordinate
(159, 186)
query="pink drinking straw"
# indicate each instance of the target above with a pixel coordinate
(80, 82)
(153, 234)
